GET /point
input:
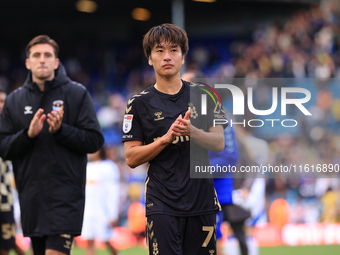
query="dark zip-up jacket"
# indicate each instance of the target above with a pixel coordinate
(50, 169)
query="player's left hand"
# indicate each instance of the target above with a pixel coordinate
(54, 119)
(182, 126)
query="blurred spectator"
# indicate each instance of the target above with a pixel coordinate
(102, 201)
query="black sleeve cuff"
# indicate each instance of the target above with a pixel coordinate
(59, 131)
(26, 135)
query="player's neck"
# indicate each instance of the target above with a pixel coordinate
(41, 82)
(168, 85)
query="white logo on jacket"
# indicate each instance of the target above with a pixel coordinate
(28, 110)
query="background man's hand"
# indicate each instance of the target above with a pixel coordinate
(37, 123)
(54, 120)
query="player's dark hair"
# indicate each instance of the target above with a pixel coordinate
(42, 39)
(168, 33)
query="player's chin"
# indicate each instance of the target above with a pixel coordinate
(168, 72)
(43, 76)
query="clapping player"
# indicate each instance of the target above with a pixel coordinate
(160, 125)
(47, 127)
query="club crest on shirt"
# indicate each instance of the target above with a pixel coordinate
(57, 105)
(127, 124)
(193, 112)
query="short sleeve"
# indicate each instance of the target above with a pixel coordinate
(216, 115)
(132, 126)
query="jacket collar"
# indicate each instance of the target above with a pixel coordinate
(60, 78)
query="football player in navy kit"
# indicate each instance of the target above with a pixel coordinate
(160, 124)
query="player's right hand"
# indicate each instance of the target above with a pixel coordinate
(170, 136)
(182, 126)
(37, 123)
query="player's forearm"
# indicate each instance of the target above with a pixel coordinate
(138, 155)
(79, 140)
(213, 141)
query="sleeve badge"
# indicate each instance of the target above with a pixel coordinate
(127, 124)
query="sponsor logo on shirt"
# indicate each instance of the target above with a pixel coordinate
(127, 136)
(219, 112)
(158, 115)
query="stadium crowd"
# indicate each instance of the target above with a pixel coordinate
(306, 46)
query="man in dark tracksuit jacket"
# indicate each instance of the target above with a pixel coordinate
(47, 127)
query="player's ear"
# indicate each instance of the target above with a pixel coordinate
(56, 64)
(28, 64)
(150, 61)
(183, 59)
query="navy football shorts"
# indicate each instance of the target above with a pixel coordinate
(62, 243)
(170, 235)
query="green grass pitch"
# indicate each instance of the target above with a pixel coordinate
(280, 250)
